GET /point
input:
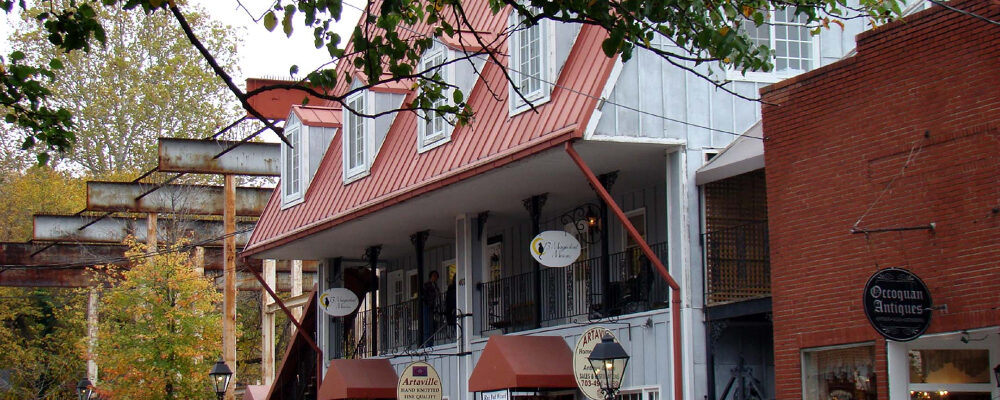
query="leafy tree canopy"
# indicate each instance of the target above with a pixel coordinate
(700, 31)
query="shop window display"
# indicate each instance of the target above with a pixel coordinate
(846, 373)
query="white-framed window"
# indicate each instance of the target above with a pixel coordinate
(433, 128)
(948, 365)
(839, 372)
(531, 62)
(357, 141)
(796, 50)
(647, 393)
(291, 164)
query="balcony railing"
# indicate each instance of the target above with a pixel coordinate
(738, 263)
(578, 290)
(398, 330)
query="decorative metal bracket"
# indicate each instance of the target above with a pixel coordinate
(586, 222)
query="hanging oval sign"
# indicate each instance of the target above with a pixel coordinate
(898, 304)
(419, 381)
(555, 248)
(583, 372)
(338, 302)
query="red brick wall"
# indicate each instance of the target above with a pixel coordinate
(925, 89)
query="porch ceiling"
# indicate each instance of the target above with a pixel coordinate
(498, 191)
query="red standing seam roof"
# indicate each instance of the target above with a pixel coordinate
(493, 139)
(326, 117)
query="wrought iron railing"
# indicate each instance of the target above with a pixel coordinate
(398, 330)
(738, 263)
(578, 290)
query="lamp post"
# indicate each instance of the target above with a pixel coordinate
(84, 389)
(609, 360)
(221, 374)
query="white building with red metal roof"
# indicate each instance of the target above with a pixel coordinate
(606, 151)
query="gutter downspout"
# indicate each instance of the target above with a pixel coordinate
(675, 297)
(298, 326)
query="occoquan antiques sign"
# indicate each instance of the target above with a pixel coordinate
(898, 304)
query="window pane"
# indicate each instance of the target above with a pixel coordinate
(950, 366)
(840, 374)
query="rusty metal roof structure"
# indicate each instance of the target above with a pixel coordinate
(493, 139)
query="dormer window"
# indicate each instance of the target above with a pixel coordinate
(433, 128)
(291, 165)
(531, 63)
(357, 137)
(309, 130)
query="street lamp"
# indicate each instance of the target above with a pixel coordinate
(84, 389)
(609, 360)
(221, 374)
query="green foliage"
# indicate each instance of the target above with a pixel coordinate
(682, 32)
(40, 341)
(159, 330)
(36, 190)
(146, 82)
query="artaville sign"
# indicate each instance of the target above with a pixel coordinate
(419, 381)
(583, 372)
(898, 304)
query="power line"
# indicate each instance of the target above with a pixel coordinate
(572, 90)
(965, 12)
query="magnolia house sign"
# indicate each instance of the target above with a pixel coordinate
(555, 248)
(898, 304)
(338, 302)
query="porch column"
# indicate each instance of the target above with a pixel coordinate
(371, 254)
(468, 256)
(607, 180)
(419, 239)
(534, 205)
(335, 330)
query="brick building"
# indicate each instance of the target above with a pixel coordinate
(904, 134)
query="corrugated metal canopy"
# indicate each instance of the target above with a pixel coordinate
(743, 155)
(359, 379)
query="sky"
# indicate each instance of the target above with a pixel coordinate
(263, 53)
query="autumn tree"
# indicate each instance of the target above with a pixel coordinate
(698, 33)
(39, 189)
(145, 81)
(40, 342)
(159, 330)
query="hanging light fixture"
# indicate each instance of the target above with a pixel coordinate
(221, 374)
(609, 360)
(84, 389)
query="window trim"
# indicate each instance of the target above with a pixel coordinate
(351, 174)
(296, 132)
(425, 143)
(774, 75)
(547, 42)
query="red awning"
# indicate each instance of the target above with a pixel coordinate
(359, 379)
(524, 362)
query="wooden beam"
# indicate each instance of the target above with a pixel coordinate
(291, 302)
(172, 199)
(229, 292)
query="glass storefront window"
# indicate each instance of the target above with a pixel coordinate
(950, 366)
(846, 373)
